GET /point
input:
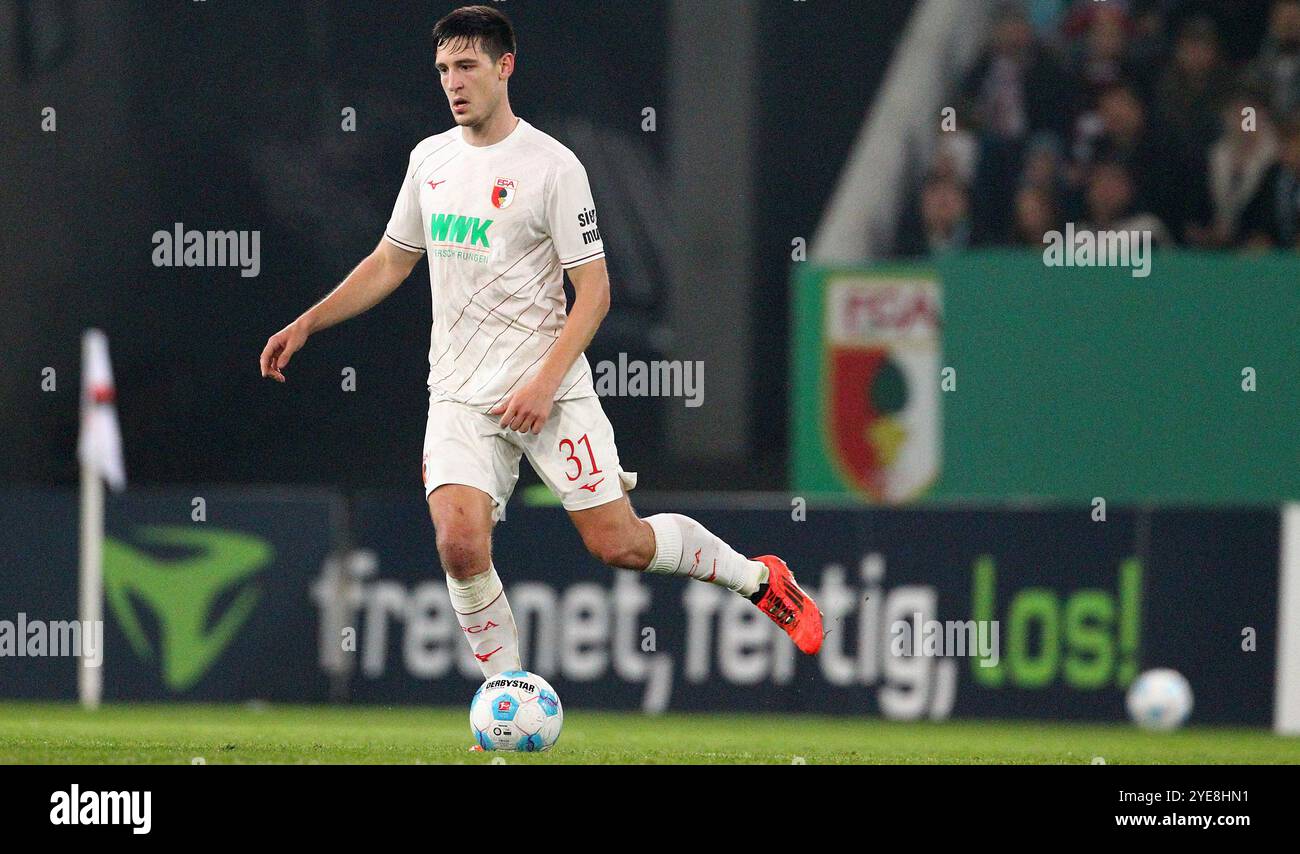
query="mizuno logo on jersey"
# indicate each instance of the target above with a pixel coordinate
(454, 228)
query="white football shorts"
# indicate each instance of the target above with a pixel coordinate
(574, 454)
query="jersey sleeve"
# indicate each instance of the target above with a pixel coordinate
(571, 217)
(404, 228)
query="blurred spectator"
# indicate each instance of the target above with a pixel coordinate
(1276, 71)
(1144, 23)
(1127, 110)
(1043, 163)
(955, 156)
(1111, 204)
(1100, 58)
(1238, 163)
(1013, 91)
(1014, 87)
(1079, 17)
(1272, 219)
(1148, 43)
(1123, 134)
(1045, 170)
(1194, 88)
(1035, 216)
(1242, 24)
(1046, 17)
(945, 223)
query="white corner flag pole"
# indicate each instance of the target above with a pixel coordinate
(90, 680)
(99, 449)
(1286, 688)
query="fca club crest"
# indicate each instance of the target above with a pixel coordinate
(881, 409)
(503, 193)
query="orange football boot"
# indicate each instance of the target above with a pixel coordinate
(784, 601)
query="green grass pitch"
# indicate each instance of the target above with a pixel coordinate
(40, 733)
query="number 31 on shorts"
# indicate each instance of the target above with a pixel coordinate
(570, 447)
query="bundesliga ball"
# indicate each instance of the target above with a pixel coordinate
(516, 710)
(1160, 700)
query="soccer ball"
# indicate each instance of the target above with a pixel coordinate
(516, 710)
(1160, 699)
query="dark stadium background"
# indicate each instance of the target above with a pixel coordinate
(226, 116)
(1113, 472)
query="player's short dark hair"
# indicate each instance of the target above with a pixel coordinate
(483, 26)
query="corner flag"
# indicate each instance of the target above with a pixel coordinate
(99, 449)
(100, 444)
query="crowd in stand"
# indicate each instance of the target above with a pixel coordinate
(1178, 118)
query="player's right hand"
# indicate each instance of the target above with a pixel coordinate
(279, 348)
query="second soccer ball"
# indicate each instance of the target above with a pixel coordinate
(1160, 699)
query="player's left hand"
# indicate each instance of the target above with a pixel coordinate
(527, 409)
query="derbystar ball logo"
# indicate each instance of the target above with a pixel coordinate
(455, 228)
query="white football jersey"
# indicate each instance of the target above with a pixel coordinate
(500, 224)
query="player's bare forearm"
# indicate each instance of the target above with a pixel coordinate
(590, 305)
(527, 409)
(377, 276)
(369, 283)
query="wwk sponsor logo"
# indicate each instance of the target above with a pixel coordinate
(458, 228)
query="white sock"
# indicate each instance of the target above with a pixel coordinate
(485, 618)
(685, 547)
